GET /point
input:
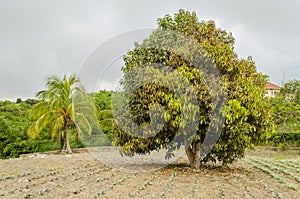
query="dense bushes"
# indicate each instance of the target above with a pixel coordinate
(285, 139)
(103, 101)
(14, 122)
(286, 115)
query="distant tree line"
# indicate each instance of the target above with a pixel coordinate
(16, 118)
(15, 121)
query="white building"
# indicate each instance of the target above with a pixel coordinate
(271, 89)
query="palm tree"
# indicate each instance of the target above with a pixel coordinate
(56, 109)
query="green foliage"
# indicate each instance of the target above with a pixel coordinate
(247, 120)
(285, 139)
(291, 91)
(103, 99)
(14, 122)
(286, 108)
(103, 102)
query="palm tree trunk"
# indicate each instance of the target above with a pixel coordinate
(61, 137)
(66, 148)
(76, 139)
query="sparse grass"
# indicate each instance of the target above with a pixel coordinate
(111, 186)
(271, 190)
(168, 186)
(220, 189)
(148, 182)
(247, 189)
(195, 186)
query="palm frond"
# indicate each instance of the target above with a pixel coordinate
(35, 129)
(57, 126)
(39, 109)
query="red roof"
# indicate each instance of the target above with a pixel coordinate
(269, 85)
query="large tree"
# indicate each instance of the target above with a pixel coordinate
(229, 94)
(56, 109)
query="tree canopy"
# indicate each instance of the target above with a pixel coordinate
(187, 76)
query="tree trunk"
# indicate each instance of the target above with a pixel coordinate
(66, 148)
(76, 139)
(61, 137)
(197, 155)
(193, 154)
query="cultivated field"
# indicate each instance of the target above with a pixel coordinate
(263, 173)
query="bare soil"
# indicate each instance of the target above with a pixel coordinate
(81, 175)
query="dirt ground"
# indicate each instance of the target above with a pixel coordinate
(264, 173)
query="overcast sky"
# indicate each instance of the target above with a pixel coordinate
(43, 38)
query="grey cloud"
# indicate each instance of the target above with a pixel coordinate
(43, 38)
